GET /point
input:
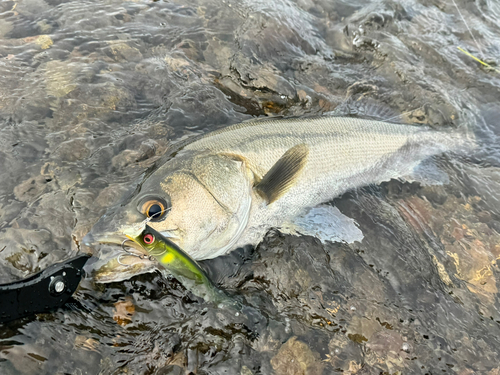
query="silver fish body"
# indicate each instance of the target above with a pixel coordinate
(223, 190)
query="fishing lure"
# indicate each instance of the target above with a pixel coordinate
(190, 274)
(185, 269)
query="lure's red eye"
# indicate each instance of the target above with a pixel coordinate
(149, 238)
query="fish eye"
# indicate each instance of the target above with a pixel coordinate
(154, 208)
(149, 239)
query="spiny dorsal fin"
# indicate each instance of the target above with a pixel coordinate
(367, 108)
(283, 173)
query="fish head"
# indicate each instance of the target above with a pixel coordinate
(199, 200)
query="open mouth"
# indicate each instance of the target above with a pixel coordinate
(113, 265)
(118, 258)
(113, 239)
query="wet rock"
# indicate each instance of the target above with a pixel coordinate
(471, 247)
(256, 53)
(146, 150)
(86, 101)
(124, 311)
(26, 251)
(72, 150)
(86, 343)
(78, 232)
(25, 360)
(176, 64)
(53, 214)
(60, 78)
(65, 177)
(240, 96)
(110, 195)
(361, 329)
(124, 53)
(384, 342)
(68, 177)
(125, 158)
(10, 210)
(5, 28)
(442, 271)
(343, 352)
(218, 54)
(44, 41)
(32, 8)
(484, 216)
(159, 130)
(8, 163)
(466, 238)
(109, 97)
(291, 276)
(260, 88)
(262, 77)
(296, 358)
(357, 338)
(171, 370)
(32, 188)
(44, 27)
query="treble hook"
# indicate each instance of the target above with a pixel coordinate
(142, 256)
(124, 249)
(128, 253)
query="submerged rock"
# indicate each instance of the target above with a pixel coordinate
(296, 358)
(60, 78)
(33, 188)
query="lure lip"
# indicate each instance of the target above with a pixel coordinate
(114, 240)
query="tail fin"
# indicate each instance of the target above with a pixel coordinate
(461, 142)
(487, 132)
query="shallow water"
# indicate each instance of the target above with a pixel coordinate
(92, 92)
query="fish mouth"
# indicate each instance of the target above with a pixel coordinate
(113, 264)
(115, 239)
(110, 239)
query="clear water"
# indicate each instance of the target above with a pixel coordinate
(92, 91)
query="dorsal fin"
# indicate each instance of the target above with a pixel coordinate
(367, 108)
(283, 173)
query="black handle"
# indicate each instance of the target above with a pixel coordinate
(43, 291)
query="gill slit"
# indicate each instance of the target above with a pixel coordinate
(243, 224)
(223, 206)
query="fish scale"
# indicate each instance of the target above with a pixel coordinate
(345, 143)
(344, 153)
(229, 187)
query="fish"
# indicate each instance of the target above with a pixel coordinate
(226, 189)
(177, 263)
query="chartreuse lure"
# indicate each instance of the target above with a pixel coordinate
(194, 278)
(179, 264)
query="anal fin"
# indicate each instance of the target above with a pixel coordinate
(283, 173)
(427, 173)
(326, 223)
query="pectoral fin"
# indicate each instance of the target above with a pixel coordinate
(283, 174)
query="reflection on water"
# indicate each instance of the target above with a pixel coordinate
(90, 95)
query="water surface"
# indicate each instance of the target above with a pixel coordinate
(91, 94)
